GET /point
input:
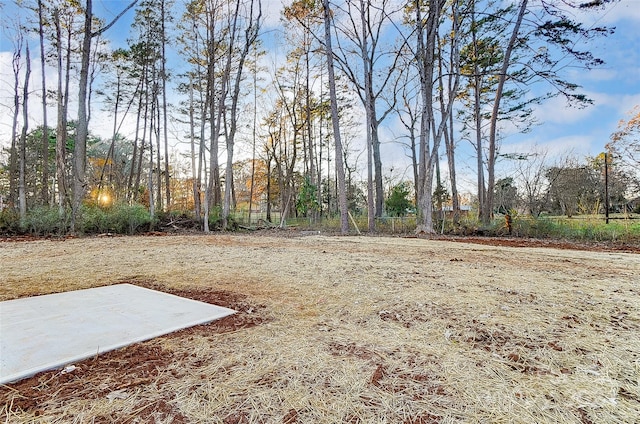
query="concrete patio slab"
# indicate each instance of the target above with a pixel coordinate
(46, 332)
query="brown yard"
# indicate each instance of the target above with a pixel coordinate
(346, 330)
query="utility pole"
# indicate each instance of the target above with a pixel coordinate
(606, 188)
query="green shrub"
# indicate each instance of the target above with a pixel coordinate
(93, 220)
(119, 219)
(9, 221)
(531, 227)
(215, 220)
(45, 220)
(577, 229)
(398, 203)
(130, 219)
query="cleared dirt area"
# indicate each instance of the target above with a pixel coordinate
(346, 330)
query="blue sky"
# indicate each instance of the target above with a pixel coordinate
(562, 130)
(614, 87)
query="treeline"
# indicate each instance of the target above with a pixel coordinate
(193, 86)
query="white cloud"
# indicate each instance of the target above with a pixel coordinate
(624, 10)
(600, 75)
(579, 145)
(271, 12)
(625, 103)
(556, 110)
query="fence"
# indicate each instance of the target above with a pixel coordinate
(389, 225)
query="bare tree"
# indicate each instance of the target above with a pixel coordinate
(307, 16)
(366, 28)
(625, 146)
(530, 176)
(573, 187)
(252, 26)
(23, 137)
(163, 78)
(44, 190)
(14, 161)
(342, 193)
(407, 110)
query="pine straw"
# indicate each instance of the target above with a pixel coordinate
(348, 330)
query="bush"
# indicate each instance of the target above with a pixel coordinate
(9, 221)
(576, 229)
(119, 218)
(93, 220)
(527, 226)
(398, 202)
(215, 220)
(45, 220)
(130, 219)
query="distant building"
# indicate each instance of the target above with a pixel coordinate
(463, 208)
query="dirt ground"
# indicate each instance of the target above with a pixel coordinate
(347, 330)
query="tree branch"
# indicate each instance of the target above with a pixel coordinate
(106, 27)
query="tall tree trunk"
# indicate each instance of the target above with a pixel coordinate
(204, 102)
(254, 134)
(134, 171)
(373, 158)
(428, 153)
(80, 148)
(493, 129)
(164, 76)
(268, 163)
(371, 193)
(342, 192)
(156, 132)
(202, 165)
(143, 114)
(44, 189)
(22, 186)
(450, 147)
(14, 160)
(377, 160)
(152, 207)
(213, 179)
(310, 144)
(477, 117)
(192, 143)
(477, 111)
(61, 124)
(445, 129)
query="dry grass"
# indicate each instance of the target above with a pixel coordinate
(350, 330)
